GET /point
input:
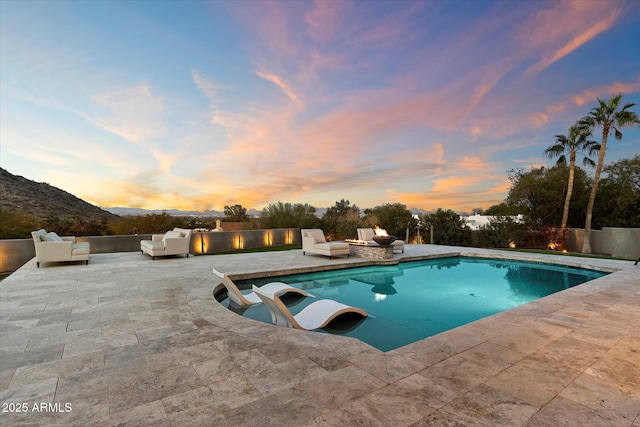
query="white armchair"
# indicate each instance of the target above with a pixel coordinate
(52, 248)
(175, 242)
(313, 241)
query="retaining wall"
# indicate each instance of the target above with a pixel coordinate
(614, 241)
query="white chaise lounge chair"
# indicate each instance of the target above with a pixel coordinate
(175, 242)
(314, 316)
(241, 299)
(52, 248)
(314, 242)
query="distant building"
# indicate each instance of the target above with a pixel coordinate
(475, 222)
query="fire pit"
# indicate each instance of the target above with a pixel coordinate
(382, 237)
(384, 240)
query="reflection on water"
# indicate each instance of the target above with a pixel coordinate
(289, 299)
(414, 300)
(345, 323)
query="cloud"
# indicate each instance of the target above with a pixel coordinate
(211, 89)
(278, 81)
(457, 197)
(551, 33)
(324, 19)
(395, 27)
(133, 113)
(602, 92)
(272, 22)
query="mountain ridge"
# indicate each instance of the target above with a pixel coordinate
(42, 201)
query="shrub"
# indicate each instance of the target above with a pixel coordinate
(500, 233)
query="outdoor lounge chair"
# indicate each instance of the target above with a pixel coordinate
(314, 316)
(313, 241)
(52, 248)
(366, 234)
(175, 242)
(249, 299)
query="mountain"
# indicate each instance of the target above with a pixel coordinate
(174, 212)
(41, 200)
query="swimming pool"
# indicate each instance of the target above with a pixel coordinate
(414, 300)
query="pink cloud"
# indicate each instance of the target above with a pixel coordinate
(280, 82)
(589, 96)
(324, 19)
(554, 36)
(394, 28)
(456, 197)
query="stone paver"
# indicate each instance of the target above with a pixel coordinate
(130, 341)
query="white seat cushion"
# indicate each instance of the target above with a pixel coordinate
(152, 245)
(331, 245)
(82, 248)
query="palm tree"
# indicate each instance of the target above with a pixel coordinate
(610, 116)
(577, 140)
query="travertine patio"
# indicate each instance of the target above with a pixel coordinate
(130, 341)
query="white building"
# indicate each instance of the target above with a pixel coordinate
(476, 221)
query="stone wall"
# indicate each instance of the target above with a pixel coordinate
(371, 252)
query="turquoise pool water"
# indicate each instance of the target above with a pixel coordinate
(414, 300)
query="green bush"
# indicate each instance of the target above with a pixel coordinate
(14, 225)
(289, 215)
(500, 232)
(448, 228)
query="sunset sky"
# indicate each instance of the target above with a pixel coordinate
(195, 105)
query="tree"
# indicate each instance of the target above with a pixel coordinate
(146, 224)
(236, 213)
(448, 228)
(502, 209)
(342, 210)
(393, 217)
(609, 115)
(577, 140)
(622, 184)
(341, 220)
(538, 195)
(284, 215)
(501, 232)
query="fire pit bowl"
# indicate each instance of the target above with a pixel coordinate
(384, 240)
